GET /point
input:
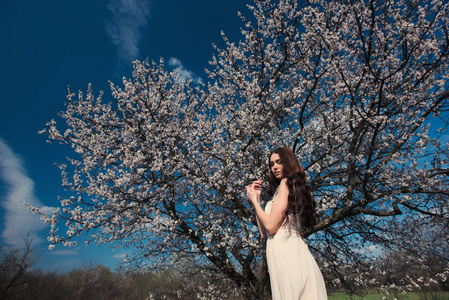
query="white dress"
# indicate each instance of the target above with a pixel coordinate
(294, 273)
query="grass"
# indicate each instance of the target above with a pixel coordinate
(377, 296)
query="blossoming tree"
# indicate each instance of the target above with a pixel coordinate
(351, 86)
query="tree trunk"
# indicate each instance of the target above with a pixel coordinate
(257, 290)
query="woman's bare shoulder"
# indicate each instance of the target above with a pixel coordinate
(283, 187)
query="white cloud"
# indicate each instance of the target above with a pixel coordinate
(19, 187)
(128, 19)
(183, 72)
(371, 250)
(121, 256)
(65, 252)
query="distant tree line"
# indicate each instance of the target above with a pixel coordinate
(19, 280)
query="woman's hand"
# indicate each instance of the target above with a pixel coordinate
(254, 190)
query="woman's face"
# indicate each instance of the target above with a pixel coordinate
(276, 166)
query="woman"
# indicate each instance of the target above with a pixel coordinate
(294, 273)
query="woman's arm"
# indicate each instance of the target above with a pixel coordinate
(256, 189)
(262, 229)
(271, 222)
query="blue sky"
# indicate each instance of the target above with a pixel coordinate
(47, 45)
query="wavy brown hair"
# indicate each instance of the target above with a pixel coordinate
(301, 207)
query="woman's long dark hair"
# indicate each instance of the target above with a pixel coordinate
(301, 206)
